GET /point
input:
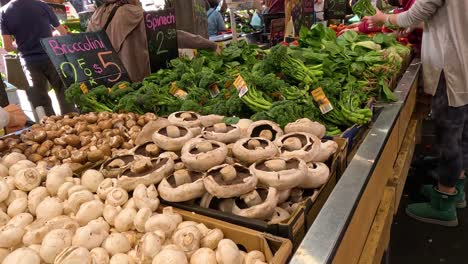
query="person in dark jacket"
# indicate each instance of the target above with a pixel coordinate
(215, 19)
(27, 21)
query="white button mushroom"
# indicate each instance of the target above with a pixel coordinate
(10, 236)
(12, 158)
(188, 239)
(54, 242)
(146, 197)
(89, 236)
(148, 247)
(116, 243)
(170, 256)
(22, 256)
(99, 256)
(21, 220)
(124, 220)
(228, 252)
(91, 179)
(56, 177)
(89, 211)
(49, 208)
(203, 256)
(74, 255)
(35, 197)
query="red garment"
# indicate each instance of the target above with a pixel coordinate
(364, 28)
(276, 6)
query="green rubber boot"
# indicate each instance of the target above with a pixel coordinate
(460, 200)
(440, 211)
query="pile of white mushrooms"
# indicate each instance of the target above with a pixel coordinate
(50, 216)
(252, 169)
(108, 214)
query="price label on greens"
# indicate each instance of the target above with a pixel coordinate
(335, 9)
(86, 58)
(162, 37)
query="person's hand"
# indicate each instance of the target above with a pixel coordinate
(377, 19)
(354, 25)
(219, 50)
(403, 32)
(355, 29)
(17, 118)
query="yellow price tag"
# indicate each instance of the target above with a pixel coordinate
(322, 100)
(177, 92)
(84, 88)
(241, 86)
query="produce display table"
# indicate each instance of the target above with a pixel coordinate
(354, 224)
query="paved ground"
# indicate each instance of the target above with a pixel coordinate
(22, 99)
(415, 242)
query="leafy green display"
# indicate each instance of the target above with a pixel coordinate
(364, 8)
(350, 69)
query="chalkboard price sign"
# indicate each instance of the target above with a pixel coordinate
(335, 9)
(85, 58)
(162, 37)
(302, 12)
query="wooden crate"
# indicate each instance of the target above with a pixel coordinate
(276, 250)
(379, 236)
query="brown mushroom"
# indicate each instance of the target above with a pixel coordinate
(186, 119)
(250, 150)
(145, 171)
(181, 186)
(300, 145)
(113, 167)
(226, 181)
(280, 173)
(265, 129)
(200, 155)
(172, 137)
(222, 132)
(259, 204)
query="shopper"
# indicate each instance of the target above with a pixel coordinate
(186, 40)
(127, 33)
(27, 21)
(445, 68)
(215, 19)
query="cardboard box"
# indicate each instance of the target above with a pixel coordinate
(296, 227)
(276, 250)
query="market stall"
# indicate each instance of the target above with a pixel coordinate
(246, 156)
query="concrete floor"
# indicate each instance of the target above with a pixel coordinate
(416, 242)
